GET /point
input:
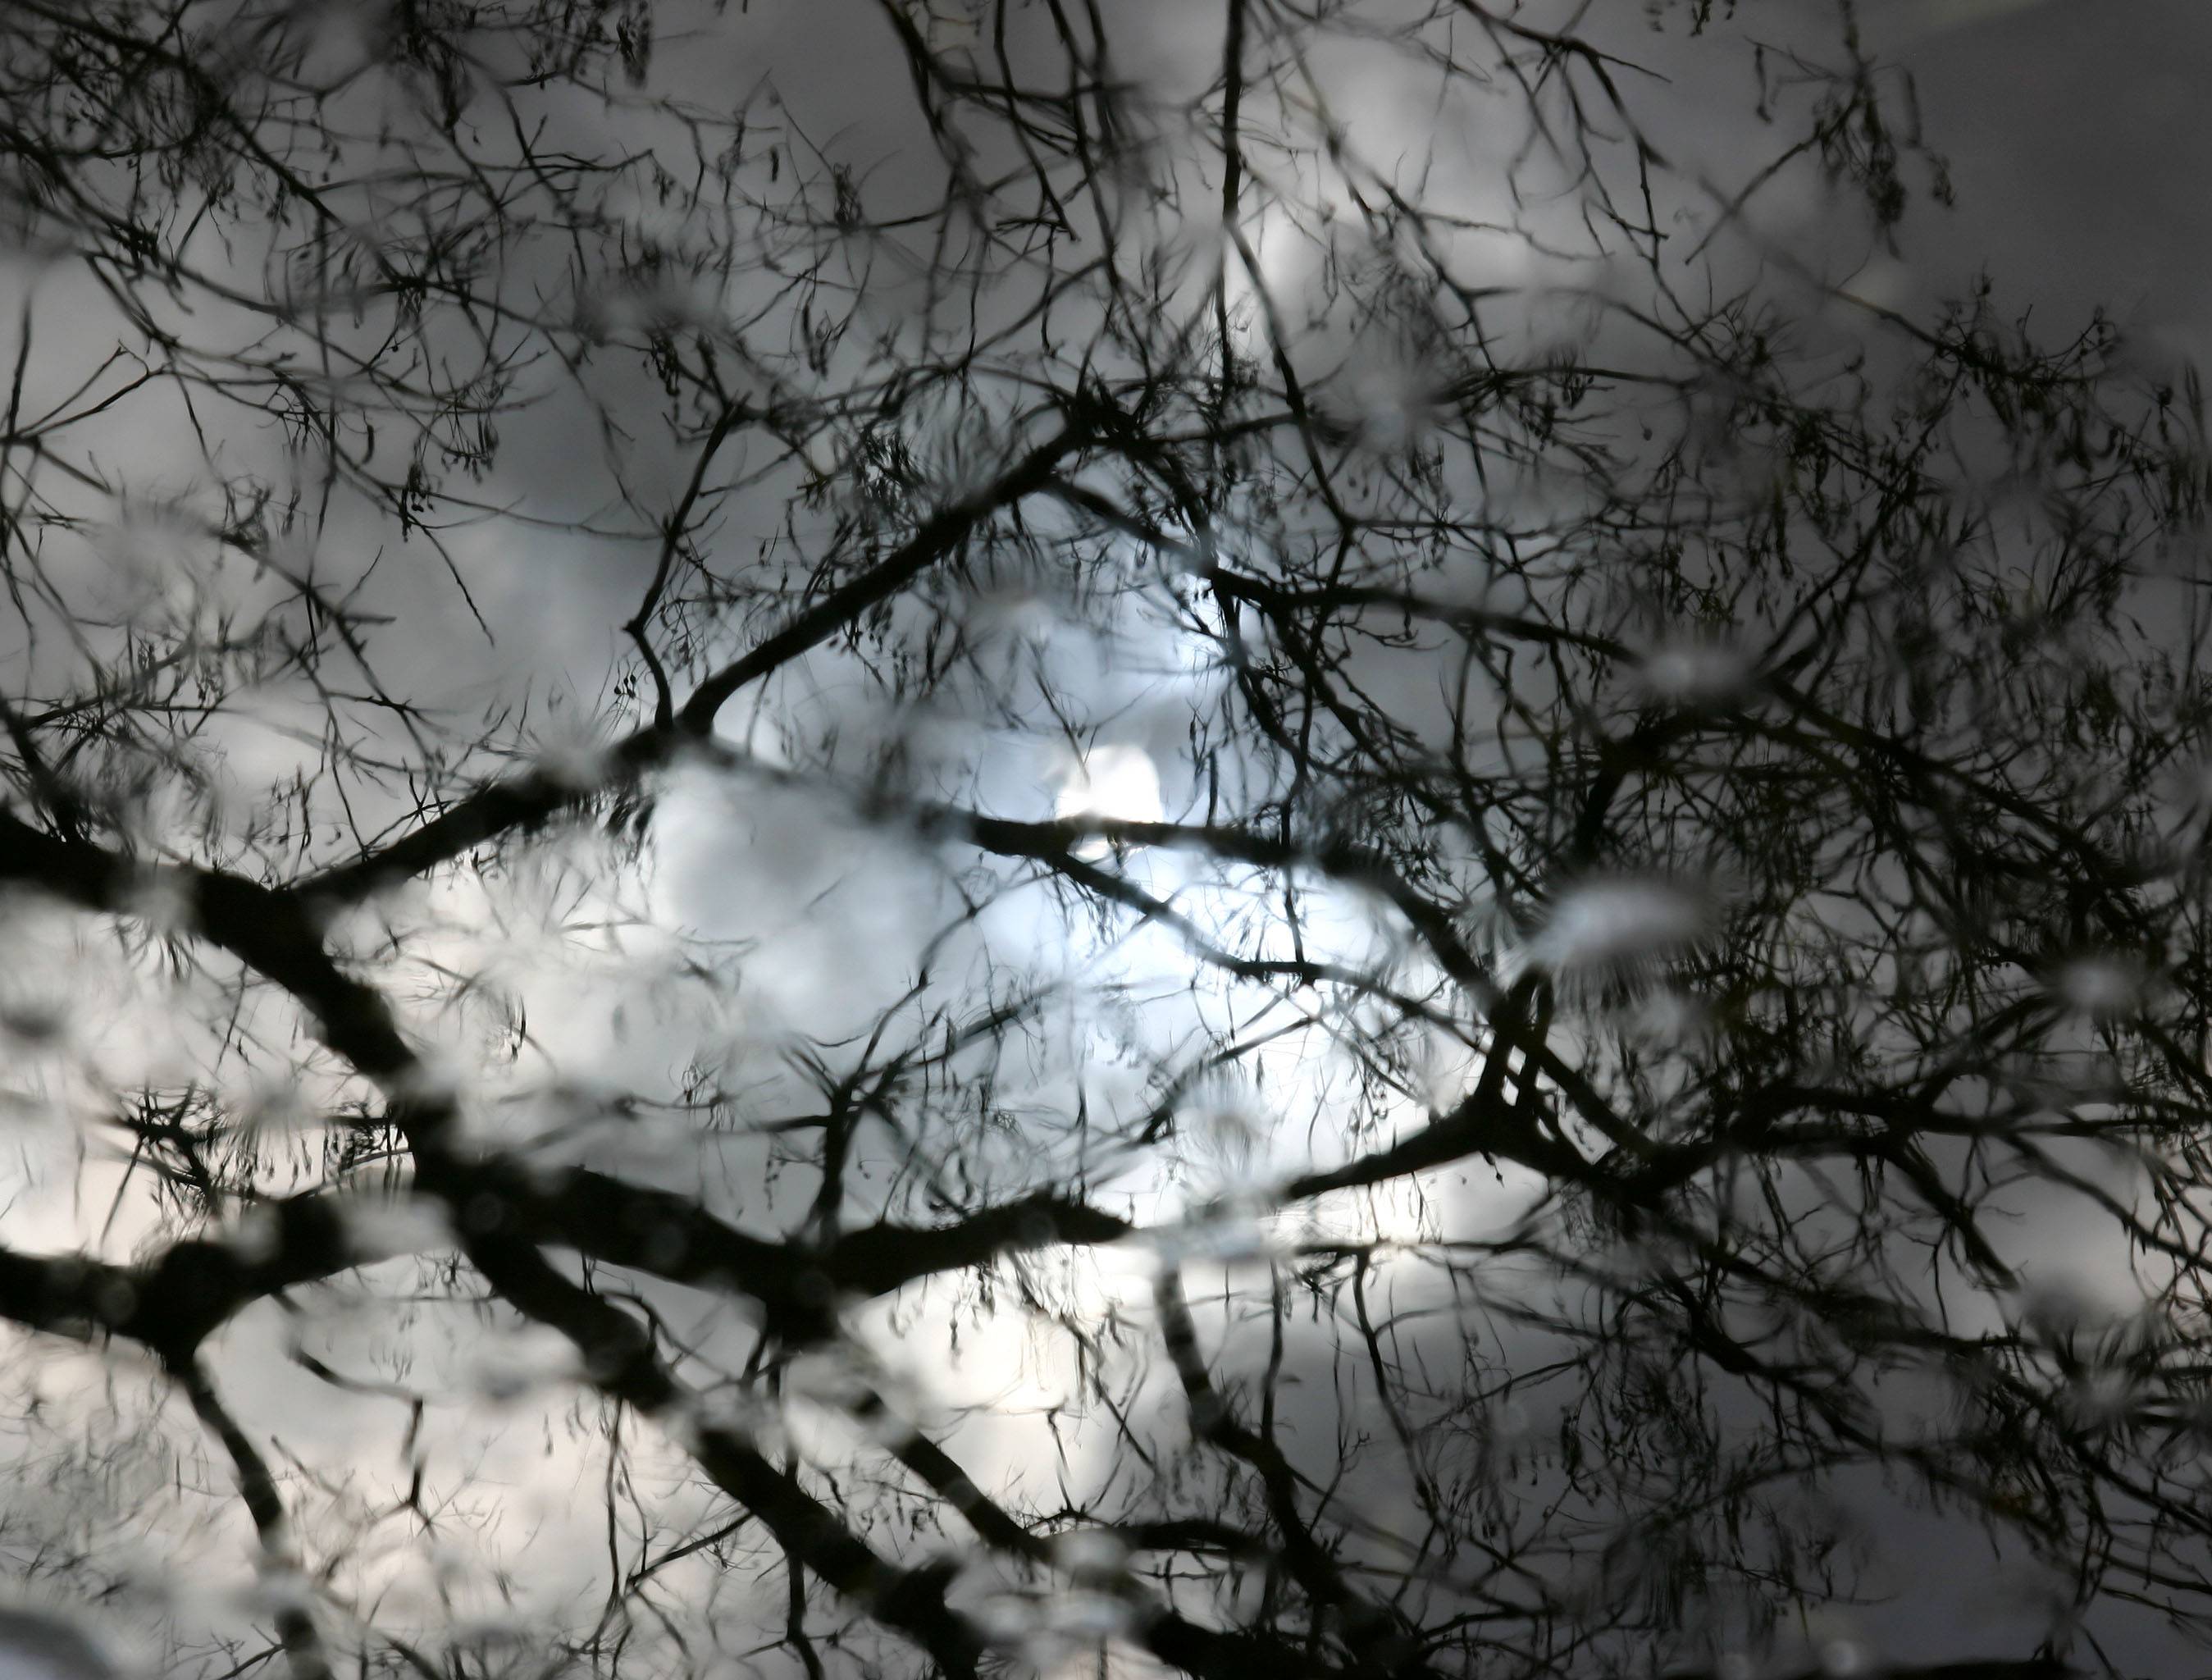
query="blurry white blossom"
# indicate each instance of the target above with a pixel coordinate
(1007, 1619)
(1394, 403)
(1085, 1614)
(1695, 671)
(384, 1227)
(511, 1367)
(255, 1236)
(2062, 1307)
(1048, 1630)
(2100, 985)
(1235, 1231)
(1610, 931)
(1014, 615)
(1091, 1554)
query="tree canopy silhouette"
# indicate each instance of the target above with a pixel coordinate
(947, 835)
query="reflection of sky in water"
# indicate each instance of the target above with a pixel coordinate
(825, 922)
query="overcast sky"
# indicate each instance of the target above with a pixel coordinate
(2074, 132)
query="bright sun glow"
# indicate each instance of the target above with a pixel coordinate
(1119, 781)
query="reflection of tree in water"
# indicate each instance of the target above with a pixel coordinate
(1176, 840)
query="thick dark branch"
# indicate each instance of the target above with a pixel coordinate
(621, 1359)
(1484, 1122)
(938, 539)
(173, 1301)
(538, 796)
(269, 931)
(1379, 1640)
(303, 1646)
(879, 1258)
(796, 1283)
